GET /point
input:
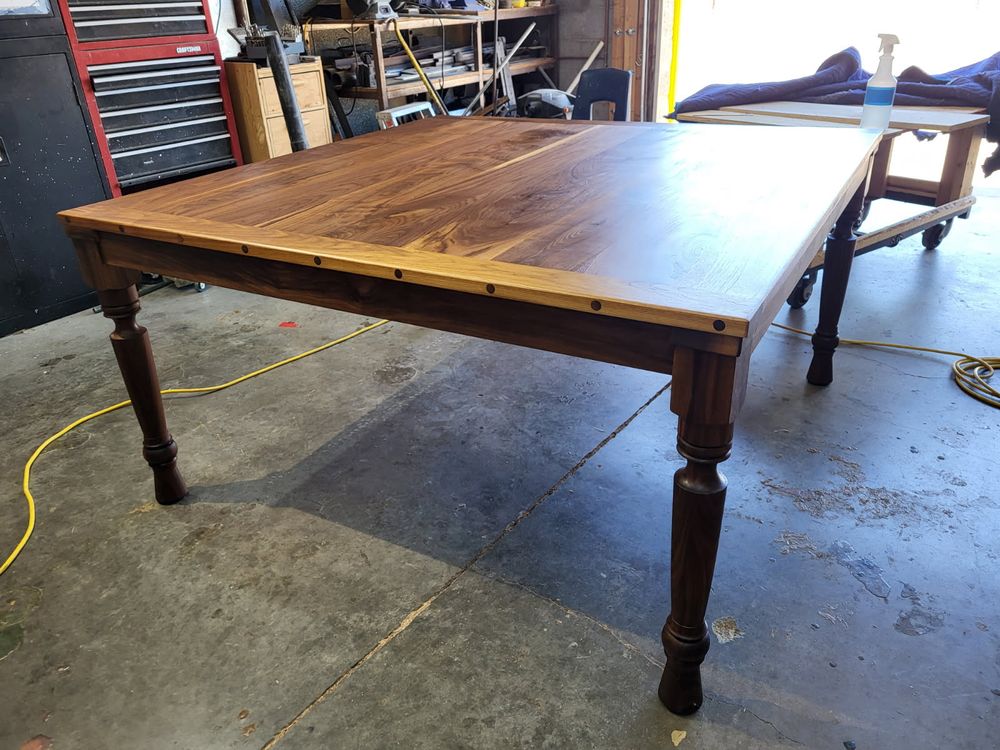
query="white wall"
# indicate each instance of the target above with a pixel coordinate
(582, 23)
(224, 17)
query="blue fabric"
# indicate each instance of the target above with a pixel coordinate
(842, 80)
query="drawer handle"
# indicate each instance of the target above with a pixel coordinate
(127, 21)
(210, 69)
(161, 107)
(169, 62)
(168, 146)
(165, 126)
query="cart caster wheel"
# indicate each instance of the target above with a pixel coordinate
(200, 286)
(933, 236)
(802, 291)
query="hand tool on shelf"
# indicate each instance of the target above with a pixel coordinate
(499, 68)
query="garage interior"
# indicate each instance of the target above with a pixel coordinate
(411, 537)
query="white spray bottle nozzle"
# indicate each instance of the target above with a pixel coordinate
(888, 42)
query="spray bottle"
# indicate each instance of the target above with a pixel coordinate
(881, 88)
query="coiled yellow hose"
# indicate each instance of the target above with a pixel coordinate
(420, 71)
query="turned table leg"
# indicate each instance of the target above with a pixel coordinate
(707, 392)
(135, 360)
(840, 246)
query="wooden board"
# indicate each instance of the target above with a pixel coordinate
(967, 110)
(720, 117)
(700, 228)
(905, 118)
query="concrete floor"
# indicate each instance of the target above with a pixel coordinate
(424, 541)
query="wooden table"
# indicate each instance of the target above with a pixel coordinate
(663, 248)
(943, 199)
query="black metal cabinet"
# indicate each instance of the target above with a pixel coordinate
(48, 162)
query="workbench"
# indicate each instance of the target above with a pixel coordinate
(662, 248)
(943, 199)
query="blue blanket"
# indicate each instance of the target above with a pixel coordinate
(841, 80)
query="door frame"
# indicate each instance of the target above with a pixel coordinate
(645, 61)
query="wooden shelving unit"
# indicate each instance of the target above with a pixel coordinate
(384, 91)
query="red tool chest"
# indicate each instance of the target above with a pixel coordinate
(155, 87)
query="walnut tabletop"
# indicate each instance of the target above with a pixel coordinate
(654, 223)
(652, 246)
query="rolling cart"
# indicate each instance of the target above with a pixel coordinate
(942, 200)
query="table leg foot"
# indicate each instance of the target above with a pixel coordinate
(699, 499)
(135, 360)
(168, 484)
(821, 368)
(680, 685)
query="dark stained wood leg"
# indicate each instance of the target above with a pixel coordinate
(699, 498)
(707, 393)
(135, 360)
(840, 247)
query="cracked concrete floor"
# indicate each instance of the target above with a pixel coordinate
(425, 541)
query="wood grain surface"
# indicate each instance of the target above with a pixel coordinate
(695, 227)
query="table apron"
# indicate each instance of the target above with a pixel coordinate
(638, 344)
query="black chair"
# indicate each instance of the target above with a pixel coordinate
(604, 85)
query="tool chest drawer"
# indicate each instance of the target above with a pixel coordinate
(164, 93)
(186, 130)
(113, 76)
(155, 82)
(161, 114)
(139, 166)
(107, 20)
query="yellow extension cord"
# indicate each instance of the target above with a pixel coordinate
(970, 373)
(26, 477)
(432, 92)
